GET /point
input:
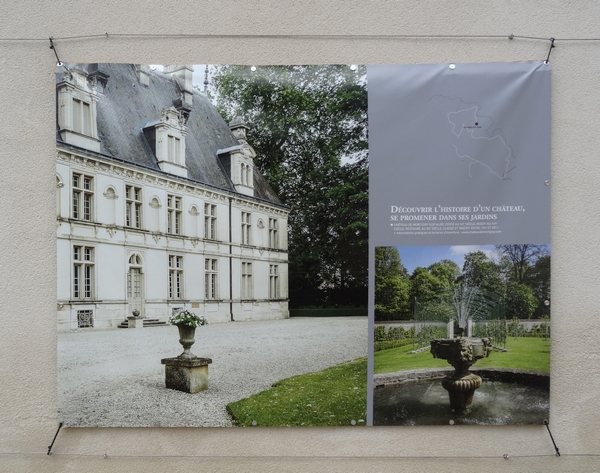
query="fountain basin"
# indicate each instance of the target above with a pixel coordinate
(416, 397)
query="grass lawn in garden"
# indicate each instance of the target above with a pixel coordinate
(524, 353)
(334, 396)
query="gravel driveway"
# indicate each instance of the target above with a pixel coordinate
(113, 378)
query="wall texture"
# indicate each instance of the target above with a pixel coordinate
(27, 254)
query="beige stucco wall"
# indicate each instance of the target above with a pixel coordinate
(27, 254)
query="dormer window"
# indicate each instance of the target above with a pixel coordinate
(175, 154)
(82, 117)
(238, 160)
(167, 139)
(77, 110)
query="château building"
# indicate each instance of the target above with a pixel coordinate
(159, 204)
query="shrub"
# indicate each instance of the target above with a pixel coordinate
(430, 332)
(387, 344)
(380, 333)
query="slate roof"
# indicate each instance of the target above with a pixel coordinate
(126, 107)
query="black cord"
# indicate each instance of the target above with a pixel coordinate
(550, 50)
(58, 61)
(552, 438)
(56, 434)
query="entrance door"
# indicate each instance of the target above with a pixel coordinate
(134, 290)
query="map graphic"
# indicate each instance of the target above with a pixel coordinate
(459, 155)
(476, 141)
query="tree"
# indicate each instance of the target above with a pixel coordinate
(520, 301)
(522, 258)
(446, 270)
(538, 278)
(391, 285)
(425, 287)
(308, 125)
(481, 272)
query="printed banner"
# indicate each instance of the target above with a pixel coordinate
(223, 232)
(459, 220)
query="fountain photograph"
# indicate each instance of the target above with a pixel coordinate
(462, 335)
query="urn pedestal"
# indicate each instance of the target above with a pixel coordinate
(189, 375)
(135, 322)
(186, 372)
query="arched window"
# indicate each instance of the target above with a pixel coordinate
(135, 260)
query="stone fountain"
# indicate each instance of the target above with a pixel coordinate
(461, 353)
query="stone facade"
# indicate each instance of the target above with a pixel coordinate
(159, 206)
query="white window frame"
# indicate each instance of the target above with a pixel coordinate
(273, 281)
(174, 214)
(210, 221)
(246, 228)
(82, 202)
(273, 233)
(83, 273)
(247, 291)
(82, 117)
(175, 289)
(133, 206)
(211, 267)
(135, 261)
(174, 149)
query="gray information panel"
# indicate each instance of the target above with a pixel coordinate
(459, 241)
(459, 154)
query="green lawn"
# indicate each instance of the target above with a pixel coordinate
(524, 353)
(337, 395)
(334, 396)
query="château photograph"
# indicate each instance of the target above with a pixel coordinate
(211, 245)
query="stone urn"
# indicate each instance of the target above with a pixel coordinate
(461, 353)
(186, 338)
(186, 372)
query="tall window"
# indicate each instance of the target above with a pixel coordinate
(210, 221)
(273, 281)
(175, 277)
(174, 215)
(210, 278)
(246, 280)
(83, 197)
(246, 228)
(82, 116)
(273, 233)
(245, 174)
(134, 279)
(83, 272)
(133, 206)
(174, 144)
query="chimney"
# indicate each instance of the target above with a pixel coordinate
(143, 72)
(183, 76)
(238, 128)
